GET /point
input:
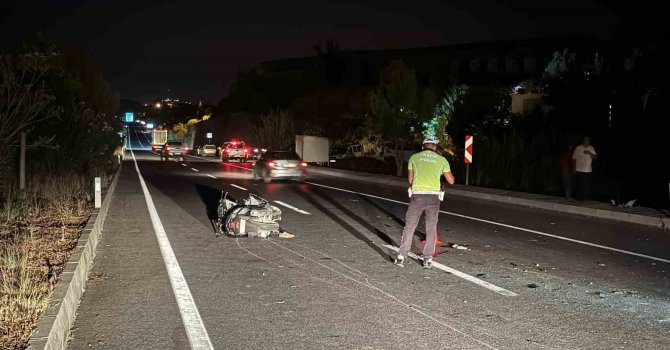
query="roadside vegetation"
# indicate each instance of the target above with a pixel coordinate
(60, 101)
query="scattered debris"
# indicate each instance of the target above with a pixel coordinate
(601, 264)
(285, 234)
(617, 292)
(532, 285)
(487, 246)
(600, 294)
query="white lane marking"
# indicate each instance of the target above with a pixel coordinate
(212, 176)
(195, 328)
(194, 169)
(369, 285)
(240, 187)
(183, 164)
(292, 207)
(507, 226)
(462, 275)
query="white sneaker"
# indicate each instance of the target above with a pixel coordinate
(400, 261)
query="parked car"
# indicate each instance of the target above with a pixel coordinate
(208, 151)
(173, 149)
(342, 152)
(279, 164)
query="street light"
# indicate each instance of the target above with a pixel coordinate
(158, 105)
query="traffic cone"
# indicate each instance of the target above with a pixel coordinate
(437, 240)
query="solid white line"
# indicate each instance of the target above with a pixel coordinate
(462, 275)
(505, 225)
(212, 176)
(194, 169)
(292, 207)
(195, 328)
(240, 187)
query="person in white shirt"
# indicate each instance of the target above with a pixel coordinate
(582, 159)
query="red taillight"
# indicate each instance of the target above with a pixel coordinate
(271, 164)
(227, 150)
(246, 150)
(303, 164)
(167, 148)
(185, 148)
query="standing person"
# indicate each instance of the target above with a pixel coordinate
(582, 158)
(424, 172)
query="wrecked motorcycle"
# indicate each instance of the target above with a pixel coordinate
(251, 217)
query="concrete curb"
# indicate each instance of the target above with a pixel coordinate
(473, 192)
(53, 327)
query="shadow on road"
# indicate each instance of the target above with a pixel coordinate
(343, 221)
(418, 233)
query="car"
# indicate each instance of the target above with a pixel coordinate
(279, 164)
(343, 152)
(208, 151)
(235, 150)
(173, 150)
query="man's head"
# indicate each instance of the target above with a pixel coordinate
(430, 143)
(586, 141)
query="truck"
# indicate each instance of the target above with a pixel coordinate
(312, 149)
(158, 138)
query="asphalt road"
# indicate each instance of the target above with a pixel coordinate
(333, 285)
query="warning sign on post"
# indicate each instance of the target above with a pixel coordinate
(469, 140)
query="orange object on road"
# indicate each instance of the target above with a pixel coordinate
(437, 240)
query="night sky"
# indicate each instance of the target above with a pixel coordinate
(196, 48)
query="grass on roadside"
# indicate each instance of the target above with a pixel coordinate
(39, 229)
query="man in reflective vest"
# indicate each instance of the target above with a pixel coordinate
(424, 172)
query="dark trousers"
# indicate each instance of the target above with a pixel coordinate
(418, 204)
(583, 186)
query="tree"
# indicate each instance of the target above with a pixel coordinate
(24, 99)
(395, 102)
(275, 130)
(443, 113)
(180, 129)
(332, 63)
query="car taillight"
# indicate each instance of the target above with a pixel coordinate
(185, 148)
(271, 164)
(167, 148)
(303, 164)
(246, 150)
(227, 150)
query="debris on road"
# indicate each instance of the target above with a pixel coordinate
(284, 234)
(601, 264)
(460, 247)
(532, 285)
